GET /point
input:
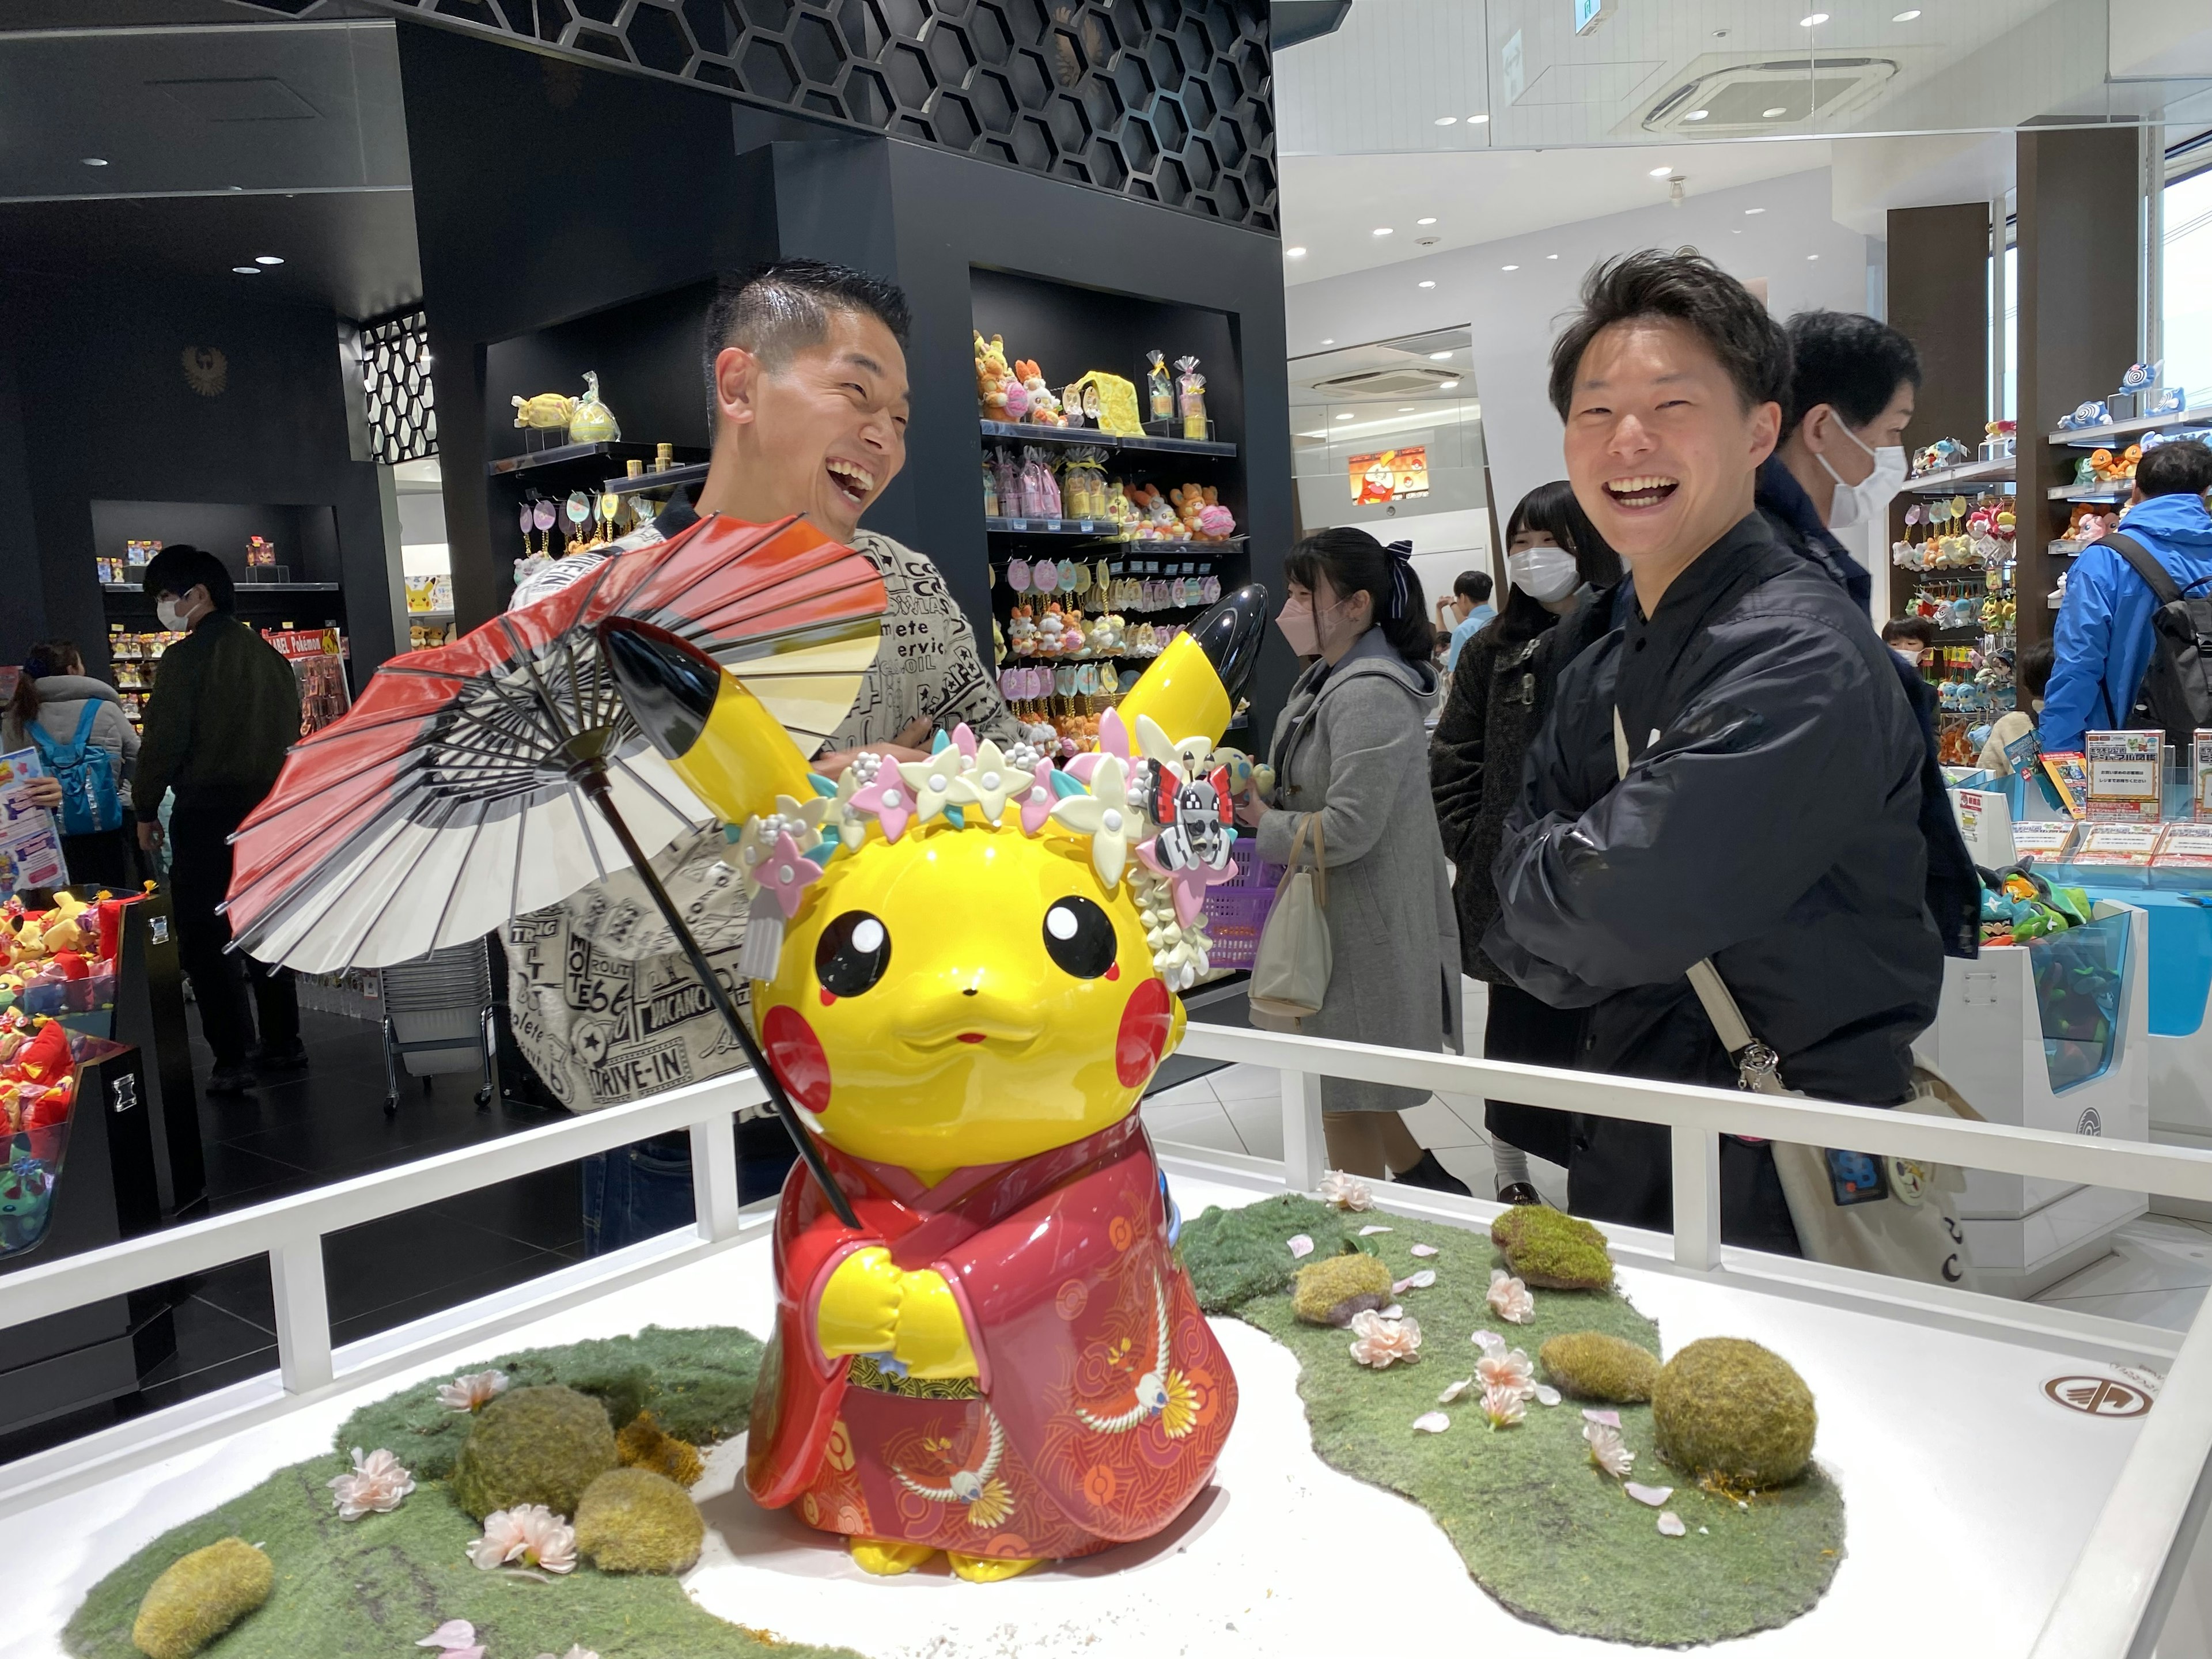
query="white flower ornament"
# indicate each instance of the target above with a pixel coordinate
(990, 780)
(1104, 815)
(932, 782)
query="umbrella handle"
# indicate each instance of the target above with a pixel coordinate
(592, 776)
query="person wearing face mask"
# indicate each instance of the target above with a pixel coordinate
(1564, 576)
(224, 708)
(1853, 385)
(1349, 752)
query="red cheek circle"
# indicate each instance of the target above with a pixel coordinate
(796, 1053)
(1144, 1035)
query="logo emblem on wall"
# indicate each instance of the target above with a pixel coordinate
(207, 371)
(2099, 1396)
(2091, 1124)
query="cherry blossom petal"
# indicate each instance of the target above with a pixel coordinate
(1423, 1250)
(1489, 1341)
(1300, 1246)
(1610, 1419)
(1432, 1422)
(1654, 1496)
(1670, 1524)
(1453, 1391)
(453, 1633)
(1370, 1232)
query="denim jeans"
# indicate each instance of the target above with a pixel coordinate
(639, 1191)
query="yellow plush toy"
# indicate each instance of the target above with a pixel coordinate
(992, 376)
(63, 929)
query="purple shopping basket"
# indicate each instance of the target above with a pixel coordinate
(1237, 911)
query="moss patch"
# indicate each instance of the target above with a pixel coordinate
(1551, 1537)
(698, 1383)
(1730, 1408)
(370, 1588)
(1591, 1365)
(1329, 1292)
(542, 1445)
(1234, 1256)
(636, 1520)
(199, 1596)
(1548, 1249)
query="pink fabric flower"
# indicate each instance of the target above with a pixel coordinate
(1037, 798)
(1383, 1342)
(472, 1392)
(375, 1487)
(888, 797)
(529, 1535)
(1502, 1407)
(1514, 1370)
(1607, 1450)
(1510, 1298)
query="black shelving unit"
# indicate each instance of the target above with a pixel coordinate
(579, 466)
(1024, 432)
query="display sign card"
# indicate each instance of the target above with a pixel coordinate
(1985, 820)
(30, 840)
(2021, 752)
(2128, 844)
(2184, 846)
(2066, 781)
(2044, 840)
(2200, 774)
(1393, 475)
(2123, 775)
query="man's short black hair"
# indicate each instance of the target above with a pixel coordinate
(2183, 467)
(1473, 585)
(1849, 361)
(783, 308)
(1687, 288)
(1920, 629)
(180, 568)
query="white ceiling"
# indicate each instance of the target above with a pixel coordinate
(1332, 204)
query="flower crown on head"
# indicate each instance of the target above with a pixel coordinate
(1163, 805)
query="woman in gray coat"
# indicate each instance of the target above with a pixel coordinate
(1350, 750)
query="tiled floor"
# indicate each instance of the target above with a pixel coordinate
(2158, 1274)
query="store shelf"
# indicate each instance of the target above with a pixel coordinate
(1068, 434)
(1946, 481)
(590, 459)
(2098, 437)
(647, 483)
(121, 589)
(417, 617)
(2118, 490)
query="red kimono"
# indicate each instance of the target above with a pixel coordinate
(1102, 1400)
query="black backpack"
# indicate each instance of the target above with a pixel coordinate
(2176, 695)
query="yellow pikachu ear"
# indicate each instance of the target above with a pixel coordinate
(719, 737)
(1191, 688)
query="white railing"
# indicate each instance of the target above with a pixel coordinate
(2109, 1607)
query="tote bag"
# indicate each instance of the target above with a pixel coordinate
(1290, 969)
(1886, 1215)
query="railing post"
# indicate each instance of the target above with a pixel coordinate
(714, 1176)
(303, 1314)
(1697, 1199)
(1305, 1147)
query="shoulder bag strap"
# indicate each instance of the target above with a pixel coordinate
(1757, 1065)
(1311, 821)
(2145, 564)
(84, 727)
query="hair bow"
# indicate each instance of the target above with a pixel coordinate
(1402, 562)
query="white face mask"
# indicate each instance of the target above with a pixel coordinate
(172, 613)
(1856, 503)
(1543, 574)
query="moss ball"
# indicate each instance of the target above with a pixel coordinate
(636, 1520)
(533, 1446)
(1591, 1365)
(642, 1445)
(1329, 1292)
(1729, 1408)
(201, 1596)
(1552, 1250)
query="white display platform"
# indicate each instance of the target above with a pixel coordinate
(2025, 1233)
(1969, 1495)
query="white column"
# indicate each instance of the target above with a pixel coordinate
(1305, 1147)
(714, 1176)
(303, 1315)
(1697, 1199)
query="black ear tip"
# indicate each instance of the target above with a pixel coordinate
(669, 685)
(1231, 636)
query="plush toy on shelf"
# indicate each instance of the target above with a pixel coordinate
(993, 378)
(1004, 1361)
(1043, 408)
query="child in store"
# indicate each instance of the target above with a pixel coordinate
(2031, 674)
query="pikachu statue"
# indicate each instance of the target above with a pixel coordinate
(965, 972)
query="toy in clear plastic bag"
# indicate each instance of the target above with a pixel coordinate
(1190, 398)
(1159, 390)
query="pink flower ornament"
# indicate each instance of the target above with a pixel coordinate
(527, 1535)
(1188, 885)
(1037, 798)
(886, 796)
(1512, 1369)
(1382, 1343)
(472, 1391)
(1510, 1299)
(787, 873)
(1502, 1407)
(375, 1487)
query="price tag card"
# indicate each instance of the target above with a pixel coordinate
(2123, 774)
(2129, 844)
(2200, 774)
(2043, 840)
(2184, 846)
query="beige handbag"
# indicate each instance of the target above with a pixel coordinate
(1884, 1215)
(1290, 969)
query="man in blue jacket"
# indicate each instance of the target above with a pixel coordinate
(2104, 641)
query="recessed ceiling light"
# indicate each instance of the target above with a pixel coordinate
(1294, 253)
(1777, 111)
(1476, 121)
(1812, 256)
(1551, 256)
(1429, 221)
(1446, 385)
(96, 161)
(1428, 284)
(1661, 172)
(1508, 267)
(1751, 210)
(1328, 343)
(1404, 409)
(1905, 17)
(1381, 230)
(247, 270)
(267, 260)
(1345, 416)
(1697, 115)
(1812, 19)
(1447, 120)
(1440, 357)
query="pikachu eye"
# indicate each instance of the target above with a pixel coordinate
(852, 954)
(1078, 936)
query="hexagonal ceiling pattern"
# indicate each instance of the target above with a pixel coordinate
(1166, 100)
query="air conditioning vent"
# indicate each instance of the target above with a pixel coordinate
(1770, 95)
(1407, 380)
